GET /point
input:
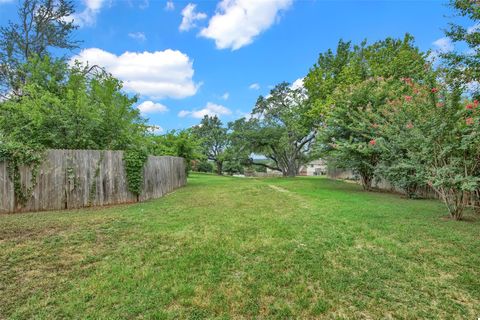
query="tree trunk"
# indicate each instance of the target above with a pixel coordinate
(366, 181)
(219, 167)
(454, 200)
(291, 171)
(476, 201)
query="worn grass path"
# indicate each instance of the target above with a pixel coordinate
(233, 248)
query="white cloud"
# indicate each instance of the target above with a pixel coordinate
(190, 17)
(443, 45)
(297, 84)
(88, 16)
(254, 86)
(139, 36)
(169, 6)
(211, 109)
(237, 22)
(158, 74)
(151, 107)
(225, 96)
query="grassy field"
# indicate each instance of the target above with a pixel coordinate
(233, 248)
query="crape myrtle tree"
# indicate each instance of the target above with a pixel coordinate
(344, 87)
(350, 137)
(213, 139)
(385, 134)
(440, 134)
(42, 25)
(280, 129)
(463, 68)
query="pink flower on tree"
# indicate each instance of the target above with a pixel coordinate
(408, 98)
(373, 142)
(409, 125)
(434, 90)
(469, 106)
(440, 104)
(469, 121)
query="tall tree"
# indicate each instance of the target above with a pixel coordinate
(331, 72)
(464, 67)
(42, 25)
(67, 108)
(280, 129)
(357, 74)
(214, 140)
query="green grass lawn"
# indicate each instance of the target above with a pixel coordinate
(233, 248)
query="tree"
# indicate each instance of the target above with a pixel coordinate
(280, 129)
(69, 108)
(441, 133)
(181, 143)
(463, 68)
(347, 137)
(43, 25)
(331, 71)
(213, 139)
(347, 87)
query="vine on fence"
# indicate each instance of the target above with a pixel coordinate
(134, 161)
(18, 155)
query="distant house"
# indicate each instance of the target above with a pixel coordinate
(314, 168)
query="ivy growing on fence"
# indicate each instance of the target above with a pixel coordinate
(134, 160)
(18, 155)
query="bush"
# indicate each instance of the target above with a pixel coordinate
(204, 166)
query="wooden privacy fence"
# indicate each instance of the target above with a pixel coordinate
(82, 178)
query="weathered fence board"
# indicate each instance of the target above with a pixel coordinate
(81, 178)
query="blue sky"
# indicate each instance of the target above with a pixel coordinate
(188, 58)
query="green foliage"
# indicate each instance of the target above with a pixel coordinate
(71, 108)
(366, 78)
(182, 143)
(213, 139)
(233, 166)
(204, 166)
(350, 65)
(463, 68)
(281, 129)
(386, 115)
(440, 134)
(134, 161)
(42, 26)
(17, 156)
